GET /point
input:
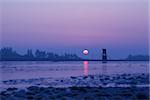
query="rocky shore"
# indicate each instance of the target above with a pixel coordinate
(123, 80)
(91, 87)
(76, 93)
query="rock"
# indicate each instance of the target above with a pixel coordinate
(38, 97)
(21, 93)
(11, 89)
(74, 88)
(141, 96)
(85, 77)
(30, 97)
(33, 88)
(68, 90)
(73, 77)
(4, 93)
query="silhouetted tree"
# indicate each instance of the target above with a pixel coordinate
(7, 53)
(50, 56)
(29, 55)
(40, 55)
(137, 57)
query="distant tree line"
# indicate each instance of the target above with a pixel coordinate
(138, 57)
(8, 54)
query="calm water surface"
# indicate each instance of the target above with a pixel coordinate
(46, 69)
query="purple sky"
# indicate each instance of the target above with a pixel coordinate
(61, 26)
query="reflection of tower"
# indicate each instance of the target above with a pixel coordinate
(104, 68)
(104, 55)
(85, 70)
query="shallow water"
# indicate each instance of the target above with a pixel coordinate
(47, 69)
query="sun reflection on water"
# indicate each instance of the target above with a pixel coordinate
(85, 70)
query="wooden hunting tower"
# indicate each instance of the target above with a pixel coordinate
(104, 55)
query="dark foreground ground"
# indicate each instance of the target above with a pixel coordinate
(76, 93)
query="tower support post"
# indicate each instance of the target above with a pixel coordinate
(104, 55)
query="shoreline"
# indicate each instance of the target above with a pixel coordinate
(76, 60)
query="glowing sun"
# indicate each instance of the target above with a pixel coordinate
(85, 52)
